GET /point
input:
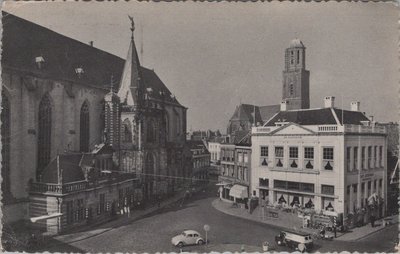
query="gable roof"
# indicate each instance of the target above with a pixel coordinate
(350, 117)
(23, 41)
(245, 112)
(68, 164)
(318, 117)
(269, 111)
(242, 138)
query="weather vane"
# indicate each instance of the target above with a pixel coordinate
(132, 23)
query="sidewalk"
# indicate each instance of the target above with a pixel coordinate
(122, 220)
(292, 222)
(364, 231)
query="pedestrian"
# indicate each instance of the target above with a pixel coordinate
(372, 219)
(129, 211)
(334, 230)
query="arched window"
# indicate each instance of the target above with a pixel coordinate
(126, 131)
(44, 137)
(178, 125)
(151, 131)
(84, 127)
(167, 126)
(298, 56)
(150, 166)
(5, 140)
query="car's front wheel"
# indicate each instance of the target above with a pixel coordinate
(200, 242)
(180, 244)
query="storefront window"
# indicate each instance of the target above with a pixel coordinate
(328, 189)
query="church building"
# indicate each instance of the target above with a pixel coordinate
(76, 119)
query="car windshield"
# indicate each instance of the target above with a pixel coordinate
(183, 233)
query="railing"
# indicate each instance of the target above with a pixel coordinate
(327, 128)
(364, 129)
(55, 188)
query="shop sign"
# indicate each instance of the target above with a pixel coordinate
(367, 176)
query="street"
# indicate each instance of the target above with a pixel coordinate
(154, 232)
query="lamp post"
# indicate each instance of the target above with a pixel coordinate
(206, 228)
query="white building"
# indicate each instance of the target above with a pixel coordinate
(326, 159)
(215, 150)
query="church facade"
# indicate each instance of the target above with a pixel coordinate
(59, 97)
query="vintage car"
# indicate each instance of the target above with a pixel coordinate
(187, 237)
(295, 240)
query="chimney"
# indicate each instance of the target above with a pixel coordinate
(355, 106)
(284, 105)
(329, 102)
(91, 43)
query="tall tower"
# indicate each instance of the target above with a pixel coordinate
(296, 79)
(112, 117)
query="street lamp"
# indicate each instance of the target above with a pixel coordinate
(206, 228)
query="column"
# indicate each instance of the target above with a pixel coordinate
(359, 179)
(351, 203)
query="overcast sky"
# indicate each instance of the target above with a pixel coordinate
(213, 56)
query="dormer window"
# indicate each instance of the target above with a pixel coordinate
(39, 60)
(79, 71)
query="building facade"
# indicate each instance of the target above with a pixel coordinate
(324, 159)
(235, 168)
(59, 96)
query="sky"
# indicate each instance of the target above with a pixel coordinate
(214, 56)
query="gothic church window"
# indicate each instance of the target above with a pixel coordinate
(167, 126)
(5, 140)
(151, 131)
(44, 137)
(126, 131)
(84, 127)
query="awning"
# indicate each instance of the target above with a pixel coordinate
(222, 184)
(45, 217)
(239, 191)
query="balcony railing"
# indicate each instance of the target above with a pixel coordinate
(328, 128)
(54, 188)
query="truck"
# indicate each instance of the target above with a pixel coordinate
(296, 240)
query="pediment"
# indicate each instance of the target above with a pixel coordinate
(292, 129)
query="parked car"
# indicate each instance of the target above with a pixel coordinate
(295, 240)
(188, 237)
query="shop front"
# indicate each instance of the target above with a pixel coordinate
(240, 194)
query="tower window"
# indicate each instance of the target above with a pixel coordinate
(84, 127)
(291, 57)
(44, 137)
(298, 56)
(291, 90)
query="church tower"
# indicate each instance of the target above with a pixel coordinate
(296, 79)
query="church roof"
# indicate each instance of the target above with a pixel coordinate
(318, 117)
(23, 41)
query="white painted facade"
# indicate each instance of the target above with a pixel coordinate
(346, 186)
